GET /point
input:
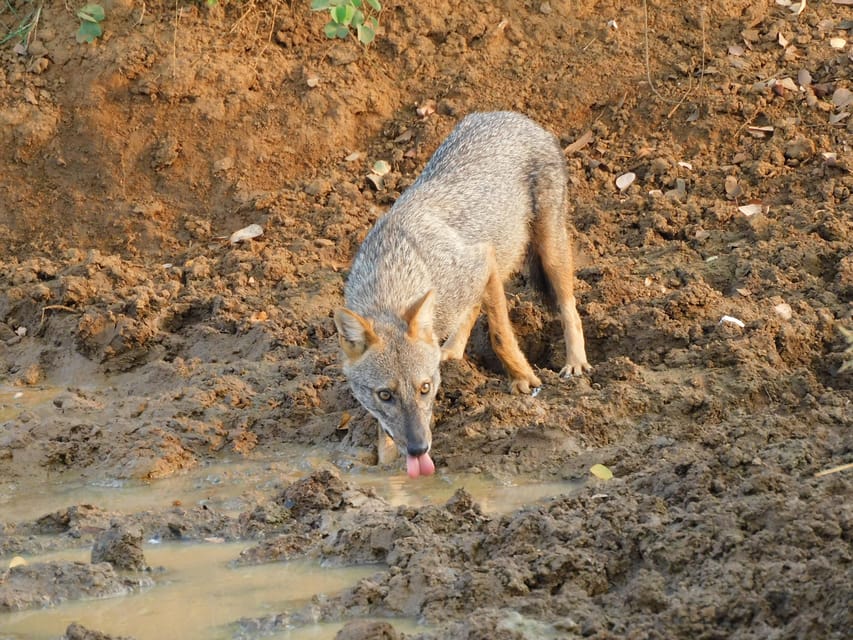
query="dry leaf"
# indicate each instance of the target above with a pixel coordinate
(601, 472)
(355, 155)
(579, 144)
(783, 310)
(804, 78)
(735, 50)
(752, 209)
(246, 233)
(343, 424)
(783, 41)
(376, 181)
(686, 165)
(760, 132)
(312, 80)
(732, 320)
(380, 167)
(788, 84)
(837, 43)
(17, 561)
(625, 180)
(835, 118)
(733, 189)
(842, 97)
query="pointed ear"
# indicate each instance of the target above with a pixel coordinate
(355, 333)
(419, 318)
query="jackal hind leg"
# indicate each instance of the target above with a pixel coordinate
(551, 241)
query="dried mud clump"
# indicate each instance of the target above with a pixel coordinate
(121, 547)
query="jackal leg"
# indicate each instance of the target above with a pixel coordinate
(522, 378)
(454, 346)
(552, 244)
(385, 448)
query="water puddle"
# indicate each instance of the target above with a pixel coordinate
(232, 487)
(196, 597)
(14, 400)
(493, 496)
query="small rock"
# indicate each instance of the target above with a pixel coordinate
(79, 632)
(36, 48)
(367, 630)
(317, 187)
(121, 547)
(799, 149)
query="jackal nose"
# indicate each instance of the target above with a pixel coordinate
(417, 450)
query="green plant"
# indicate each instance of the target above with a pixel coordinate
(91, 16)
(26, 22)
(348, 16)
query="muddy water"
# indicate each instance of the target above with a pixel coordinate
(230, 487)
(198, 593)
(196, 596)
(14, 400)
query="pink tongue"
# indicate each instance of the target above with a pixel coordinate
(420, 466)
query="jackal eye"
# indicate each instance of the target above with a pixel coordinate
(425, 388)
(385, 395)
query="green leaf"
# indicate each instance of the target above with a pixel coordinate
(366, 34)
(374, 22)
(357, 19)
(89, 31)
(343, 32)
(319, 5)
(601, 472)
(375, 4)
(92, 13)
(356, 3)
(331, 29)
(343, 15)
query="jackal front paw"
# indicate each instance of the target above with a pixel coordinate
(577, 368)
(452, 353)
(525, 384)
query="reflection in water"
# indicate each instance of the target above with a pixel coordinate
(233, 487)
(196, 596)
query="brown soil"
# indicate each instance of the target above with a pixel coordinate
(128, 163)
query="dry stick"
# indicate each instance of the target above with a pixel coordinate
(690, 89)
(841, 467)
(175, 44)
(49, 307)
(240, 19)
(267, 43)
(141, 15)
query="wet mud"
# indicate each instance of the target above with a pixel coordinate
(139, 346)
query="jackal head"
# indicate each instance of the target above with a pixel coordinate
(393, 371)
